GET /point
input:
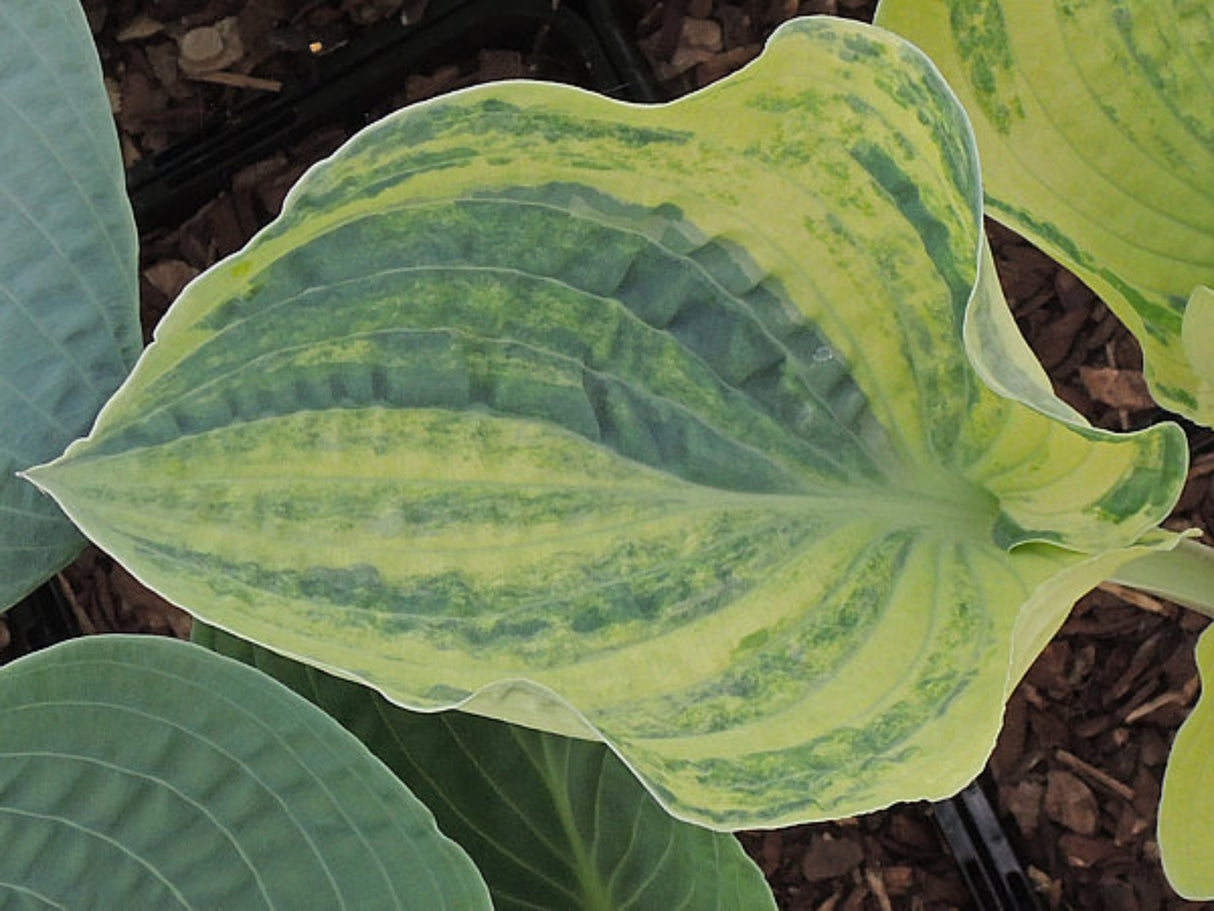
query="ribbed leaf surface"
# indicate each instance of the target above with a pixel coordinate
(68, 296)
(1186, 807)
(1095, 121)
(140, 772)
(552, 822)
(653, 424)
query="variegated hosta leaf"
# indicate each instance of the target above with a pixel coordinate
(1095, 122)
(653, 424)
(1186, 807)
(551, 822)
(69, 330)
(141, 772)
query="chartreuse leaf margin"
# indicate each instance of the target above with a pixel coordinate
(1095, 123)
(551, 822)
(647, 424)
(69, 330)
(141, 772)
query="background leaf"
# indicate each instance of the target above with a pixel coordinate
(607, 421)
(1095, 122)
(69, 329)
(552, 822)
(140, 772)
(1186, 807)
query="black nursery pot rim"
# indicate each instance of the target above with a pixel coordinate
(585, 36)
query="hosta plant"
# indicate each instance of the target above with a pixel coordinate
(700, 430)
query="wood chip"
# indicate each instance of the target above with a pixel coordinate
(1096, 776)
(856, 901)
(160, 615)
(413, 10)
(720, 65)
(684, 57)
(1084, 850)
(141, 100)
(1023, 801)
(1190, 689)
(1071, 803)
(1046, 886)
(1148, 691)
(419, 87)
(877, 885)
(142, 26)
(1172, 697)
(912, 832)
(1135, 597)
(899, 880)
(169, 276)
(1119, 388)
(201, 45)
(1054, 344)
(703, 34)
(502, 64)
(1072, 292)
(829, 857)
(114, 93)
(1131, 825)
(162, 57)
(773, 850)
(1144, 657)
(210, 48)
(239, 80)
(1202, 465)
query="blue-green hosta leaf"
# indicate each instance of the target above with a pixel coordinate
(69, 331)
(141, 772)
(649, 424)
(1186, 806)
(1095, 122)
(551, 822)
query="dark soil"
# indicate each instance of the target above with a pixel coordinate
(1077, 771)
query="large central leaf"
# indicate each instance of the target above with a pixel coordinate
(653, 424)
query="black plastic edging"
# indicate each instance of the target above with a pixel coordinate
(981, 848)
(40, 619)
(166, 188)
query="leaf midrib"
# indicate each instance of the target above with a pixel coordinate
(969, 512)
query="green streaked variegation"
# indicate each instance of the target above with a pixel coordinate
(653, 424)
(138, 772)
(1186, 806)
(69, 329)
(1095, 122)
(552, 822)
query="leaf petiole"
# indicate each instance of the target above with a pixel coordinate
(1184, 575)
